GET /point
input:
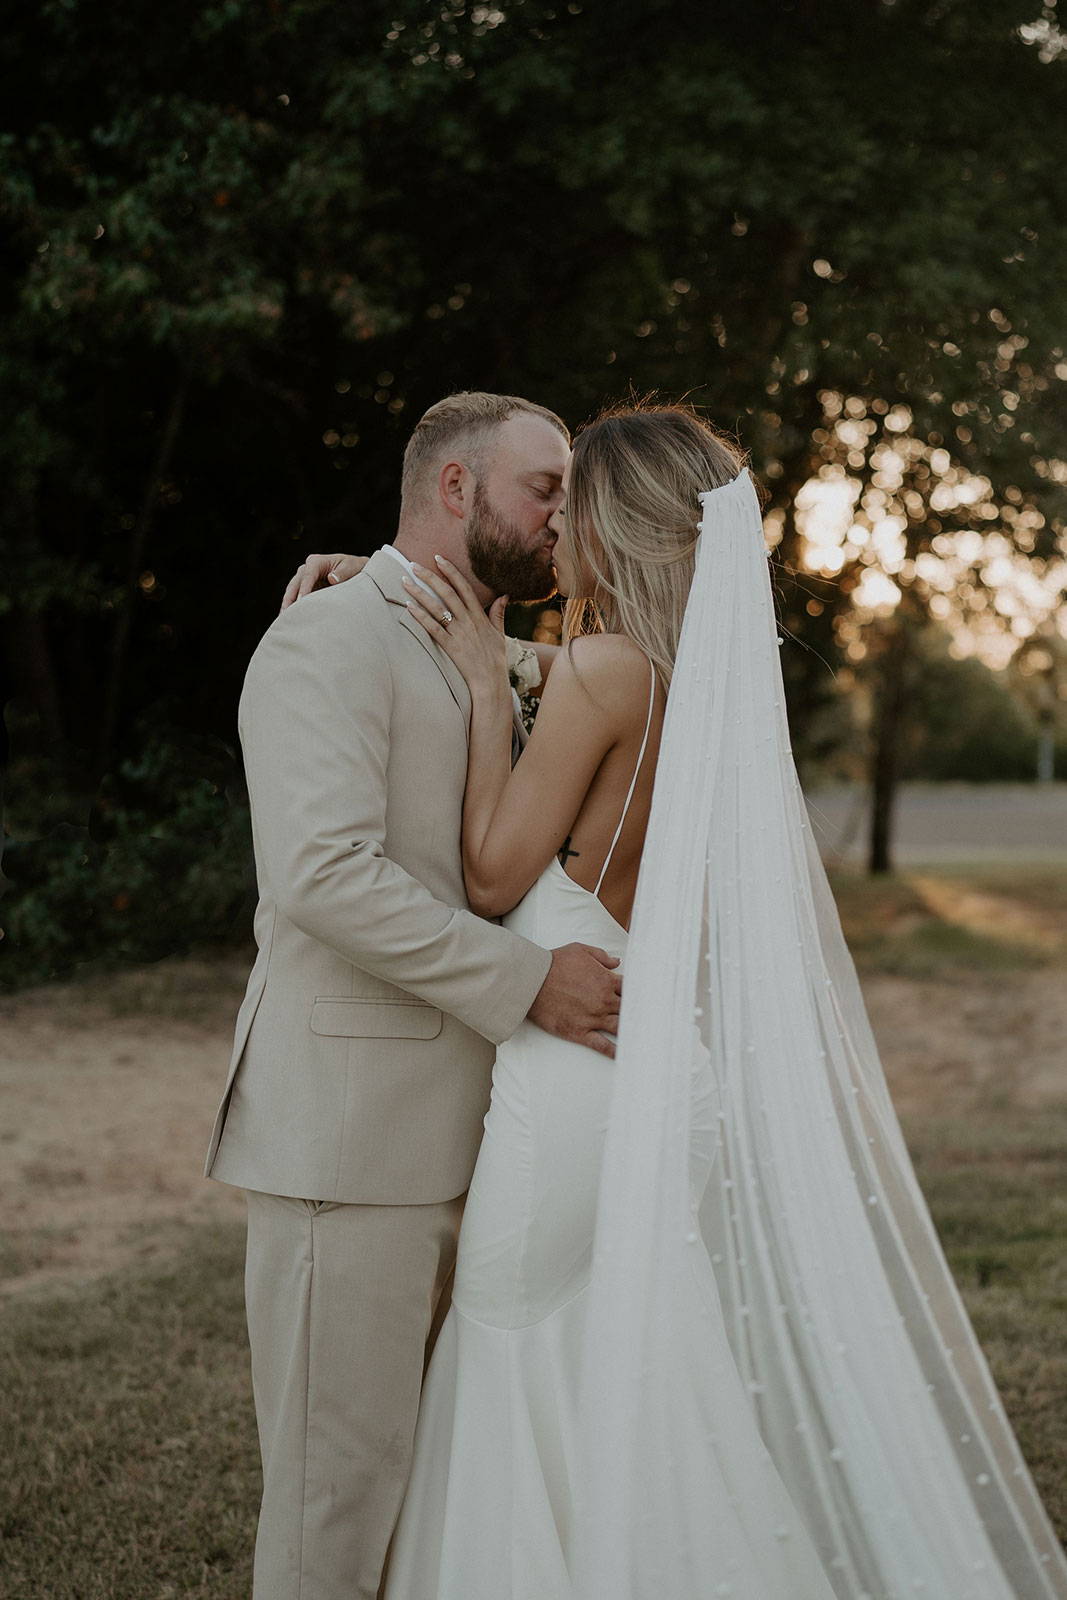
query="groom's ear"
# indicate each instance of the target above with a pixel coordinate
(455, 485)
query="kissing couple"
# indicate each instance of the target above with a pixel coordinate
(564, 1286)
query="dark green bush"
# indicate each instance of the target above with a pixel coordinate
(162, 863)
(968, 725)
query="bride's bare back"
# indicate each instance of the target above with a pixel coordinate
(631, 760)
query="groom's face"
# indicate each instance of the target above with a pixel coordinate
(509, 542)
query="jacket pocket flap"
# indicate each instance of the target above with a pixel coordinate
(376, 1019)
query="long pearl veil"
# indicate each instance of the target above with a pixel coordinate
(782, 1396)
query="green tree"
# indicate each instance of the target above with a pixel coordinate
(248, 243)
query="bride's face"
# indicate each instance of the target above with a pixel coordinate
(574, 578)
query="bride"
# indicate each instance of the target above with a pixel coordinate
(703, 1340)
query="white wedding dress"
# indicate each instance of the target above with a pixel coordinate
(488, 1513)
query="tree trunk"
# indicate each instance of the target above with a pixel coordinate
(109, 718)
(890, 705)
(33, 671)
(1046, 751)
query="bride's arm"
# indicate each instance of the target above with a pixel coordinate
(515, 821)
(513, 827)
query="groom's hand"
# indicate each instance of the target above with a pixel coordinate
(579, 1000)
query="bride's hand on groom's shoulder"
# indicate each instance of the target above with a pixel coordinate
(320, 572)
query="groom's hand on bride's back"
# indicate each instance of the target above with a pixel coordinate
(321, 572)
(579, 1000)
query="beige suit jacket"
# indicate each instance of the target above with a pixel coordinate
(364, 1047)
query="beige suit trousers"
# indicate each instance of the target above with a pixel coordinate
(343, 1302)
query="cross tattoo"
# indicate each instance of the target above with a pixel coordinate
(565, 851)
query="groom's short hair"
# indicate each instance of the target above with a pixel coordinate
(462, 425)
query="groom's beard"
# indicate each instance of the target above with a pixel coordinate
(499, 559)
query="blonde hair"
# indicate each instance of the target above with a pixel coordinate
(632, 519)
(463, 423)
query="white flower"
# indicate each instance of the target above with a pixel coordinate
(524, 671)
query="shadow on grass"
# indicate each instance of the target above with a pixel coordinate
(131, 1466)
(954, 923)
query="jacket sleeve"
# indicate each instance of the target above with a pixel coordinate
(314, 722)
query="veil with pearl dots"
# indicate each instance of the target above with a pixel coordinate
(782, 1395)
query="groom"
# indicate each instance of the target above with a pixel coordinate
(361, 1065)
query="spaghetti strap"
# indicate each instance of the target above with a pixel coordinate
(633, 780)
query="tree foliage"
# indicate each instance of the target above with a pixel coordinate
(249, 242)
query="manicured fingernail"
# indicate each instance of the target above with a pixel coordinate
(441, 562)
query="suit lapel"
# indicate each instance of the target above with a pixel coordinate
(457, 683)
(387, 574)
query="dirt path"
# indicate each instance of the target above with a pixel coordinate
(109, 1091)
(107, 1112)
(982, 1047)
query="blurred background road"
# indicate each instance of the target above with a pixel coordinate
(948, 822)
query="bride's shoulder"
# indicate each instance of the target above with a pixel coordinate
(609, 653)
(608, 667)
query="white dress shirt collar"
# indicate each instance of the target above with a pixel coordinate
(406, 564)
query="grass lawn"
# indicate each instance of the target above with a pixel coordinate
(131, 1467)
(955, 921)
(1000, 1207)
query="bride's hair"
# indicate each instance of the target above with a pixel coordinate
(633, 516)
